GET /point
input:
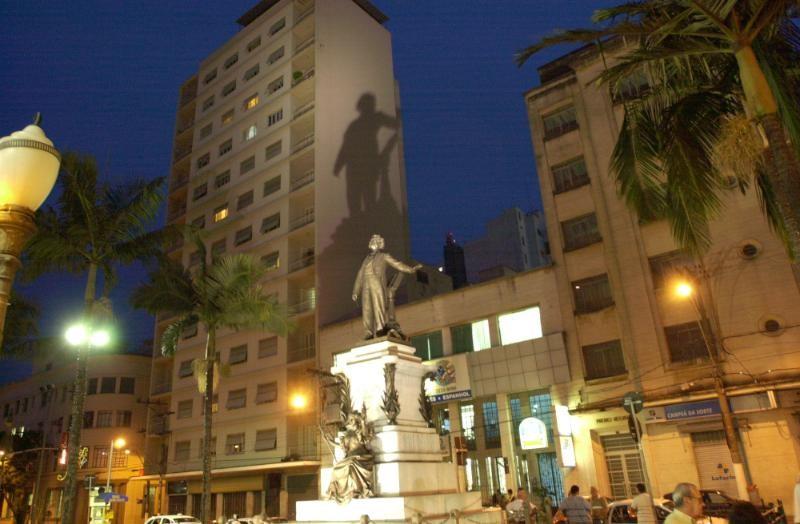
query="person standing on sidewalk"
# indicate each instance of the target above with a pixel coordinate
(599, 506)
(642, 506)
(688, 504)
(576, 508)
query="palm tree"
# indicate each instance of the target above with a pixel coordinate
(91, 229)
(708, 62)
(21, 327)
(224, 293)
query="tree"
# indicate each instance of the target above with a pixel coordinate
(708, 62)
(17, 472)
(92, 229)
(224, 293)
(21, 328)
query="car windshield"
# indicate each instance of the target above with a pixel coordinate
(716, 497)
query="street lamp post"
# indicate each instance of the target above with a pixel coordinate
(28, 170)
(118, 443)
(685, 289)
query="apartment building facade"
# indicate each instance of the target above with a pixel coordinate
(288, 146)
(115, 407)
(628, 331)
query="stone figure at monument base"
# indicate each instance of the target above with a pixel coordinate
(377, 299)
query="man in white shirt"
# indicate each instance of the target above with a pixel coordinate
(797, 501)
(642, 506)
(519, 509)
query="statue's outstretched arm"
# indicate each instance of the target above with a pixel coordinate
(399, 266)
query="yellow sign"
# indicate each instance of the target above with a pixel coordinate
(532, 433)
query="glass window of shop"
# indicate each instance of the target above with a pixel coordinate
(485, 466)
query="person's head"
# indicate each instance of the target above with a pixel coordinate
(510, 492)
(745, 513)
(641, 488)
(376, 242)
(366, 104)
(522, 494)
(574, 490)
(593, 491)
(687, 498)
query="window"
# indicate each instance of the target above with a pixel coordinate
(274, 118)
(604, 360)
(468, 424)
(211, 75)
(184, 409)
(200, 191)
(205, 131)
(580, 232)
(271, 261)
(271, 223)
(88, 419)
(631, 87)
(252, 44)
(199, 222)
(222, 179)
(203, 161)
(266, 439)
(471, 337)
(244, 200)
(665, 267)
(225, 147)
(221, 213)
(227, 117)
(243, 235)
(272, 185)
(267, 347)
(250, 133)
(208, 103)
(428, 346)
(559, 123)
(237, 399)
(100, 457)
(127, 385)
(250, 73)
(275, 55)
(272, 150)
(234, 503)
(91, 388)
(238, 354)
(218, 247)
(277, 26)
(250, 102)
(108, 385)
(231, 60)
(592, 294)
(247, 165)
(267, 393)
(185, 369)
(570, 175)
(234, 444)
(520, 325)
(104, 419)
(685, 342)
(183, 450)
(275, 85)
(491, 424)
(124, 419)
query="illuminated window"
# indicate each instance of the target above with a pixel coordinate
(251, 102)
(227, 117)
(520, 325)
(221, 213)
(468, 424)
(250, 133)
(234, 444)
(471, 337)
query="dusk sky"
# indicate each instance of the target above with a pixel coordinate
(105, 75)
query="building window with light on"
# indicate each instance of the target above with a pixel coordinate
(250, 133)
(468, 424)
(221, 213)
(518, 326)
(234, 444)
(250, 102)
(470, 337)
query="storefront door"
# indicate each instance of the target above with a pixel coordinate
(624, 466)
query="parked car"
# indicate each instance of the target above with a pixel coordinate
(619, 512)
(172, 519)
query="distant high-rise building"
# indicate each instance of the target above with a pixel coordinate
(514, 241)
(454, 265)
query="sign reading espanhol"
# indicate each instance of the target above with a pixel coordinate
(450, 381)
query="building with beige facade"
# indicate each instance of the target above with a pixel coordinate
(627, 330)
(115, 407)
(288, 145)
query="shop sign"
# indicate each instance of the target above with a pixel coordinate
(567, 452)
(563, 420)
(687, 410)
(450, 380)
(532, 433)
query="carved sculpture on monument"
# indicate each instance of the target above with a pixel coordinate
(391, 403)
(377, 299)
(425, 406)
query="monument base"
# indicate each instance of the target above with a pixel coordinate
(398, 509)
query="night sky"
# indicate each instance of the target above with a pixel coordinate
(105, 75)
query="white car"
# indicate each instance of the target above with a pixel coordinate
(172, 519)
(618, 512)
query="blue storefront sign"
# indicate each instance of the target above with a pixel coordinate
(702, 408)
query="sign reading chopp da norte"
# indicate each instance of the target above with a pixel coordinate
(450, 380)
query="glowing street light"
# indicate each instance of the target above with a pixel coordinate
(298, 401)
(82, 334)
(684, 289)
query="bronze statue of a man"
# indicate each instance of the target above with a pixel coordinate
(370, 284)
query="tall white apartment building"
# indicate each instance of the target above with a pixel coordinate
(288, 146)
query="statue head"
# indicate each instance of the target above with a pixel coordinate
(376, 243)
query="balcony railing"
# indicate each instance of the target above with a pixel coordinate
(302, 262)
(303, 143)
(181, 153)
(303, 109)
(302, 181)
(308, 73)
(159, 425)
(298, 308)
(186, 125)
(174, 214)
(302, 16)
(164, 387)
(179, 182)
(302, 220)
(304, 44)
(298, 354)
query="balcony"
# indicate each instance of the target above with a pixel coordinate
(301, 262)
(161, 388)
(181, 153)
(159, 425)
(302, 110)
(176, 213)
(303, 76)
(302, 181)
(303, 143)
(298, 308)
(302, 220)
(304, 44)
(302, 16)
(178, 182)
(298, 354)
(184, 126)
